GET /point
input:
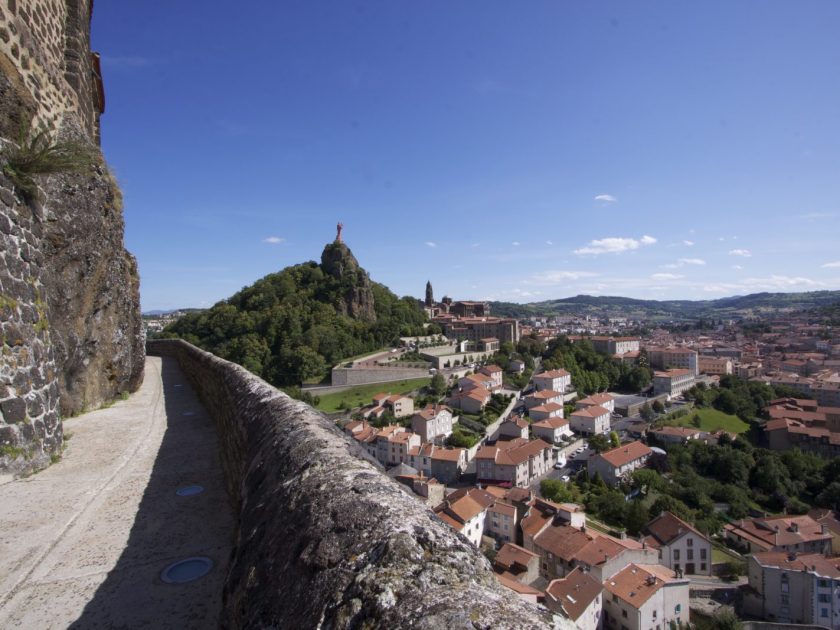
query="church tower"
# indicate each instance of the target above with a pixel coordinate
(430, 297)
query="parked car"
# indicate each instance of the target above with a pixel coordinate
(565, 478)
(558, 465)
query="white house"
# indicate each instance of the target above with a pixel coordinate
(616, 463)
(552, 429)
(433, 423)
(604, 400)
(556, 380)
(681, 547)
(578, 598)
(644, 596)
(592, 420)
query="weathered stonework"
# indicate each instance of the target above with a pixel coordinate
(47, 42)
(70, 334)
(30, 430)
(325, 539)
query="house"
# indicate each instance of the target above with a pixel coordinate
(513, 427)
(464, 511)
(433, 423)
(543, 412)
(676, 435)
(517, 462)
(791, 588)
(592, 420)
(471, 401)
(444, 464)
(495, 373)
(554, 380)
(393, 444)
(779, 533)
(681, 547)
(578, 598)
(644, 596)
(431, 490)
(515, 366)
(364, 434)
(553, 429)
(831, 519)
(543, 397)
(517, 563)
(617, 463)
(673, 382)
(400, 406)
(714, 365)
(604, 400)
(476, 380)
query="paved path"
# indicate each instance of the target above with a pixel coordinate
(82, 543)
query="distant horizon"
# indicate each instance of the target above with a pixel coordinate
(653, 150)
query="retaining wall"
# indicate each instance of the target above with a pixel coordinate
(365, 376)
(324, 538)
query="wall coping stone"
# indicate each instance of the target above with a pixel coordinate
(325, 539)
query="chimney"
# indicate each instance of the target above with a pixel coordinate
(823, 528)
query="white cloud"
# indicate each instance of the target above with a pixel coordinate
(515, 243)
(688, 243)
(614, 245)
(691, 261)
(274, 240)
(431, 244)
(779, 282)
(666, 276)
(549, 243)
(606, 198)
(737, 267)
(475, 244)
(740, 252)
(831, 265)
(560, 277)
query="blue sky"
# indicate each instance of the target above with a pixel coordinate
(513, 151)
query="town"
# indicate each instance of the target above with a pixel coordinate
(624, 481)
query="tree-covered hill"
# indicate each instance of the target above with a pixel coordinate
(294, 325)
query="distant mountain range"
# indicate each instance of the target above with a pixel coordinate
(736, 306)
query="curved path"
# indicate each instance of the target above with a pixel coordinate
(83, 543)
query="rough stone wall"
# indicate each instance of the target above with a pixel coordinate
(72, 336)
(30, 429)
(48, 43)
(325, 539)
(365, 376)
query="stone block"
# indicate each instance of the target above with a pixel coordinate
(13, 410)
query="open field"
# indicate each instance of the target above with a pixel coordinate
(363, 394)
(712, 419)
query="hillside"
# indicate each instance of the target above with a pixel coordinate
(736, 306)
(295, 324)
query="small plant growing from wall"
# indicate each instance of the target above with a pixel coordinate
(37, 153)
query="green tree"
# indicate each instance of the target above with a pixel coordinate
(599, 443)
(636, 517)
(437, 385)
(657, 406)
(615, 442)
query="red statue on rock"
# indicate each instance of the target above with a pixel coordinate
(340, 227)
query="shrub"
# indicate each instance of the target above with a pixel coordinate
(39, 154)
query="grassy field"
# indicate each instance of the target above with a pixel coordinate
(712, 419)
(363, 394)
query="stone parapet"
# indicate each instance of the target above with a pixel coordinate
(325, 539)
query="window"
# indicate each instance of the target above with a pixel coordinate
(823, 612)
(676, 554)
(654, 614)
(623, 613)
(824, 599)
(702, 566)
(702, 554)
(823, 583)
(677, 609)
(690, 554)
(785, 599)
(615, 598)
(689, 542)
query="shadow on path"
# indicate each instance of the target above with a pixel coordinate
(168, 527)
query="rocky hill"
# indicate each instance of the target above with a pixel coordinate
(292, 326)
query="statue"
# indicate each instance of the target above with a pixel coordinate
(339, 227)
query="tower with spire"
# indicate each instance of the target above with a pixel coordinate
(430, 296)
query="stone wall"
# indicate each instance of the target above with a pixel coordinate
(47, 42)
(365, 376)
(325, 539)
(72, 336)
(29, 428)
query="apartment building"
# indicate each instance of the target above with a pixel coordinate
(433, 423)
(792, 588)
(673, 358)
(792, 534)
(517, 462)
(714, 365)
(673, 382)
(553, 380)
(590, 420)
